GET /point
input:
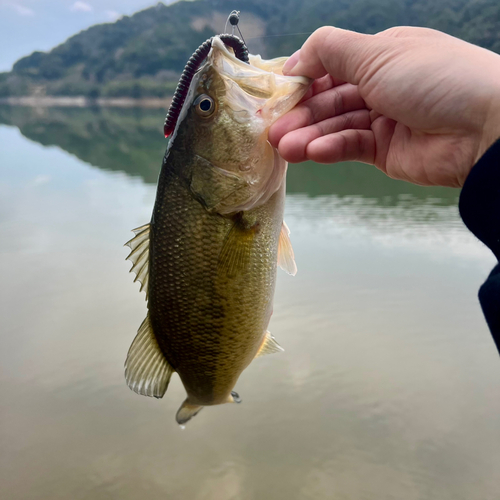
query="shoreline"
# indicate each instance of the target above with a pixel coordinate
(83, 102)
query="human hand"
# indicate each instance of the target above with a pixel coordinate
(420, 105)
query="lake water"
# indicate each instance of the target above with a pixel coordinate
(389, 386)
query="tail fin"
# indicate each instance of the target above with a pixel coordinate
(187, 412)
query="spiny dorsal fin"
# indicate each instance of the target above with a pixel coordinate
(286, 258)
(269, 346)
(147, 372)
(139, 256)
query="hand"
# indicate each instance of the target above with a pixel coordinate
(420, 105)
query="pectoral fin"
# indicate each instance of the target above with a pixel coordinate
(235, 397)
(286, 258)
(237, 249)
(269, 346)
(147, 372)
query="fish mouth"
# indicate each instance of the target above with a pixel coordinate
(258, 89)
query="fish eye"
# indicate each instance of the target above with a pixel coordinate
(204, 105)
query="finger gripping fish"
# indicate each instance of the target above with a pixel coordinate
(208, 258)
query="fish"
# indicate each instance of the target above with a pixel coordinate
(208, 258)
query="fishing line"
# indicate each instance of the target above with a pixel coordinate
(285, 34)
(234, 19)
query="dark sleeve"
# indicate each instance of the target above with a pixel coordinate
(480, 210)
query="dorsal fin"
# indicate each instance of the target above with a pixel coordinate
(147, 372)
(286, 258)
(269, 346)
(139, 256)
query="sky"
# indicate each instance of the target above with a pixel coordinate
(29, 25)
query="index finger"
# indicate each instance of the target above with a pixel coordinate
(322, 84)
(346, 55)
(329, 103)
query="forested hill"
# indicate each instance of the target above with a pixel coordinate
(143, 55)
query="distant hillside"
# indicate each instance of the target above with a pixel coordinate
(143, 55)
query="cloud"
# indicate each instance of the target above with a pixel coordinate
(21, 9)
(81, 7)
(41, 179)
(112, 15)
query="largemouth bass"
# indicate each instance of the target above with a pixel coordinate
(208, 258)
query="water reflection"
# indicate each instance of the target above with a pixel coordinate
(131, 141)
(125, 140)
(388, 387)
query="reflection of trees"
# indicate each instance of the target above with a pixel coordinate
(351, 179)
(127, 140)
(131, 141)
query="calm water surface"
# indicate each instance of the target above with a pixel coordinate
(389, 387)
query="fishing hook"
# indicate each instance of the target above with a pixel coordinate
(233, 19)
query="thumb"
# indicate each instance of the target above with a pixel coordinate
(345, 55)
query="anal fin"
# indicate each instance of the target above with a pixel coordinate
(147, 372)
(286, 258)
(269, 346)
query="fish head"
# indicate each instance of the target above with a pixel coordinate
(225, 121)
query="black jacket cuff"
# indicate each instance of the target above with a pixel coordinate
(480, 199)
(479, 207)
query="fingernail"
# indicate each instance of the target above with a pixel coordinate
(291, 62)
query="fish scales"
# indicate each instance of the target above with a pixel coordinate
(208, 325)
